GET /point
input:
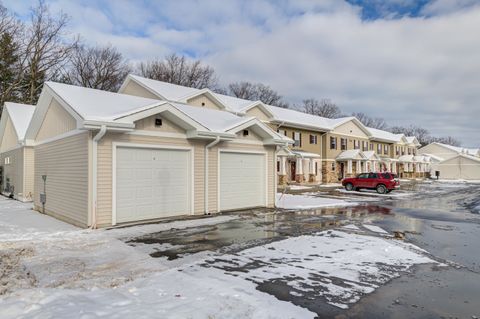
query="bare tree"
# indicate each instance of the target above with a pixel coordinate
(324, 108)
(449, 140)
(102, 68)
(256, 92)
(10, 56)
(46, 50)
(374, 122)
(422, 134)
(178, 70)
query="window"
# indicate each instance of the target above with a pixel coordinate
(397, 150)
(297, 137)
(379, 148)
(333, 143)
(372, 175)
(7, 160)
(385, 149)
(203, 103)
(245, 132)
(158, 122)
(356, 144)
(414, 151)
(313, 139)
(403, 150)
(364, 175)
(371, 146)
(278, 166)
(409, 151)
(343, 144)
(282, 132)
(333, 166)
(364, 146)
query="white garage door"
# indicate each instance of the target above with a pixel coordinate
(242, 180)
(152, 183)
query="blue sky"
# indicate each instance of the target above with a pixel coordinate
(411, 62)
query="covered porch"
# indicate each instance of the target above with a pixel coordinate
(298, 167)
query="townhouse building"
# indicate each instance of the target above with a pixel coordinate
(323, 150)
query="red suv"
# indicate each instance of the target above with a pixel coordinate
(382, 182)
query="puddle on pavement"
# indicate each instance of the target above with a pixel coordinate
(251, 229)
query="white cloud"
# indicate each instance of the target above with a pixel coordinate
(409, 70)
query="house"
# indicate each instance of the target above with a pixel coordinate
(104, 159)
(452, 162)
(16, 153)
(318, 154)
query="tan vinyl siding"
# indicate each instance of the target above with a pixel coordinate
(65, 162)
(350, 128)
(29, 172)
(207, 102)
(105, 187)
(10, 138)
(258, 113)
(57, 121)
(305, 138)
(13, 171)
(133, 88)
(148, 124)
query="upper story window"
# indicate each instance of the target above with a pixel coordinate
(313, 139)
(409, 151)
(7, 160)
(403, 150)
(414, 151)
(283, 132)
(343, 144)
(333, 143)
(397, 150)
(356, 144)
(297, 137)
(385, 149)
(371, 146)
(379, 148)
(364, 146)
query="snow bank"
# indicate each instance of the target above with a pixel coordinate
(308, 201)
(332, 265)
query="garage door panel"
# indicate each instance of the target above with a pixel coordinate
(242, 180)
(152, 183)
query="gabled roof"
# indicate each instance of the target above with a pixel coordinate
(384, 136)
(371, 155)
(351, 155)
(462, 155)
(93, 108)
(412, 140)
(406, 158)
(459, 150)
(20, 115)
(300, 119)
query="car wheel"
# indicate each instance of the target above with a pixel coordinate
(381, 189)
(349, 187)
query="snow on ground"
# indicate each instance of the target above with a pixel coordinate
(371, 192)
(375, 229)
(351, 227)
(308, 201)
(298, 187)
(337, 266)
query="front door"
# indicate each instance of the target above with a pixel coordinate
(293, 170)
(341, 174)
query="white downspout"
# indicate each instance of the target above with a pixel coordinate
(207, 147)
(95, 140)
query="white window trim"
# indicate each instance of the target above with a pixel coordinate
(115, 145)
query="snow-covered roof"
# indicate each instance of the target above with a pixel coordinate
(303, 119)
(435, 157)
(92, 104)
(21, 115)
(351, 154)
(371, 155)
(384, 135)
(406, 158)
(212, 119)
(305, 154)
(166, 90)
(468, 151)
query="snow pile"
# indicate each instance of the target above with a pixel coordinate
(298, 187)
(375, 229)
(308, 201)
(332, 265)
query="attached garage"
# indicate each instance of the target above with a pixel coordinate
(151, 182)
(242, 180)
(459, 167)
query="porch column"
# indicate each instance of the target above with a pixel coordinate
(359, 167)
(374, 168)
(349, 167)
(299, 166)
(394, 167)
(283, 165)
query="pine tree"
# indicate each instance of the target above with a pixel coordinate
(9, 60)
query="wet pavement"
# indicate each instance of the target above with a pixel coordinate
(438, 217)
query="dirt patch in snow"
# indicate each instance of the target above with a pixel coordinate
(13, 274)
